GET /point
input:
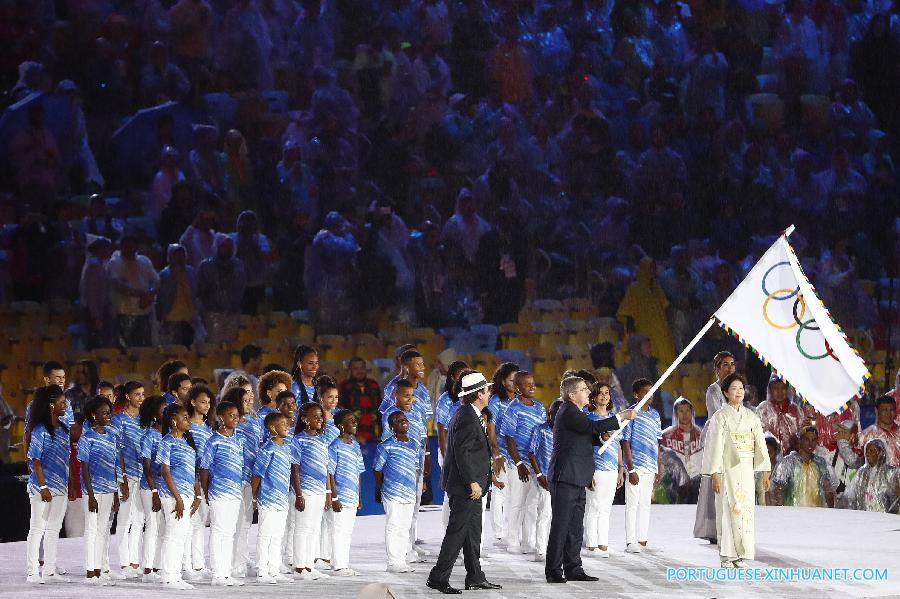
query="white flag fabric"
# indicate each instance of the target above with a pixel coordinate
(775, 311)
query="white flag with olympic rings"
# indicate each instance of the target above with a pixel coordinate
(776, 312)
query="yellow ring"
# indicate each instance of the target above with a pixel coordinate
(779, 326)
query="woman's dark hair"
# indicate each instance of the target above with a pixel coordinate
(175, 380)
(225, 405)
(301, 351)
(323, 384)
(719, 357)
(167, 369)
(503, 371)
(39, 413)
(734, 376)
(94, 404)
(341, 416)
(279, 399)
(121, 391)
(149, 409)
(595, 393)
(195, 392)
(235, 395)
(457, 386)
(453, 375)
(93, 374)
(305, 409)
(171, 410)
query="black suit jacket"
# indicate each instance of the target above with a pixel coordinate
(574, 435)
(468, 457)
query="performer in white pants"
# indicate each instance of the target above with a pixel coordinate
(345, 467)
(539, 455)
(270, 482)
(48, 482)
(249, 433)
(130, 522)
(309, 472)
(221, 469)
(608, 476)
(640, 452)
(504, 388)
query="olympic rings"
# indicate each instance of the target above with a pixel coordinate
(828, 351)
(796, 321)
(765, 291)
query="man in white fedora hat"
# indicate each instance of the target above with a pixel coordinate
(465, 477)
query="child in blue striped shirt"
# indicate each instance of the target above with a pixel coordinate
(201, 411)
(270, 482)
(221, 469)
(309, 473)
(151, 417)
(180, 495)
(640, 451)
(286, 404)
(608, 476)
(345, 466)
(130, 522)
(539, 454)
(101, 471)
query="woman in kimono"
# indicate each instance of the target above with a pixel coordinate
(735, 449)
(705, 519)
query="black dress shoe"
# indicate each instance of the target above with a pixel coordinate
(582, 577)
(555, 578)
(482, 586)
(444, 588)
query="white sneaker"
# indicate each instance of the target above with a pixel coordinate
(56, 579)
(107, 579)
(540, 557)
(515, 549)
(221, 582)
(282, 578)
(484, 561)
(151, 577)
(60, 570)
(603, 553)
(265, 579)
(727, 564)
(500, 542)
(415, 558)
(129, 572)
(633, 548)
(317, 574)
(398, 569)
(420, 550)
(97, 582)
(303, 575)
(345, 572)
(525, 549)
(285, 569)
(234, 582)
(190, 575)
(178, 585)
(34, 579)
(113, 575)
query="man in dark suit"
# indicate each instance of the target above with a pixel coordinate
(571, 470)
(466, 475)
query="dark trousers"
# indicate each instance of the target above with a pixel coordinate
(463, 532)
(566, 530)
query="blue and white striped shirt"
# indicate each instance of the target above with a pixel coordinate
(130, 433)
(416, 431)
(446, 408)
(311, 453)
(149, 445)
(644, 433)
(248, 432)
(542, 446)
(224, 459)
(310, 391)
(345, 463)
(387, 398)
(519, 422)
(273, 467)
(180, 457)
(399, 462)
(330, 432)
(201, 433)
(53, 450)
(609, 459)
(101, 452)
(497, 408)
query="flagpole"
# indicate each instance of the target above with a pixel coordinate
(665, 375)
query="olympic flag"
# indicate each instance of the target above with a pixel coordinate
(776, 312)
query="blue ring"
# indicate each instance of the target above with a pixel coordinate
(766, 291)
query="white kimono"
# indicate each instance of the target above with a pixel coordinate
(735, 449)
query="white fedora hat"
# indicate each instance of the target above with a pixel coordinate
(472, 383)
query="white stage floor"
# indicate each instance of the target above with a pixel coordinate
(785, 538)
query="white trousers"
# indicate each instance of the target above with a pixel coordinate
(223, 517)
(342, 524)
(241, 554)
(414, 524)
(398, 520)
(268, 541)
(544, 515)
(597, 507)
(326, 535)
(637, 507)
(130, 525)
(287, 539)
(177, 530)
(195, 546)
(73, 522)
(154, 532)
(307, 530)
(498, 500)
(46, 520)
(96, 530)
(521, 509)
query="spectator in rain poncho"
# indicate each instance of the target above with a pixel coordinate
(645, 305)
(330, 275)
(876, 487)
(253, 250)
(176, 306)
